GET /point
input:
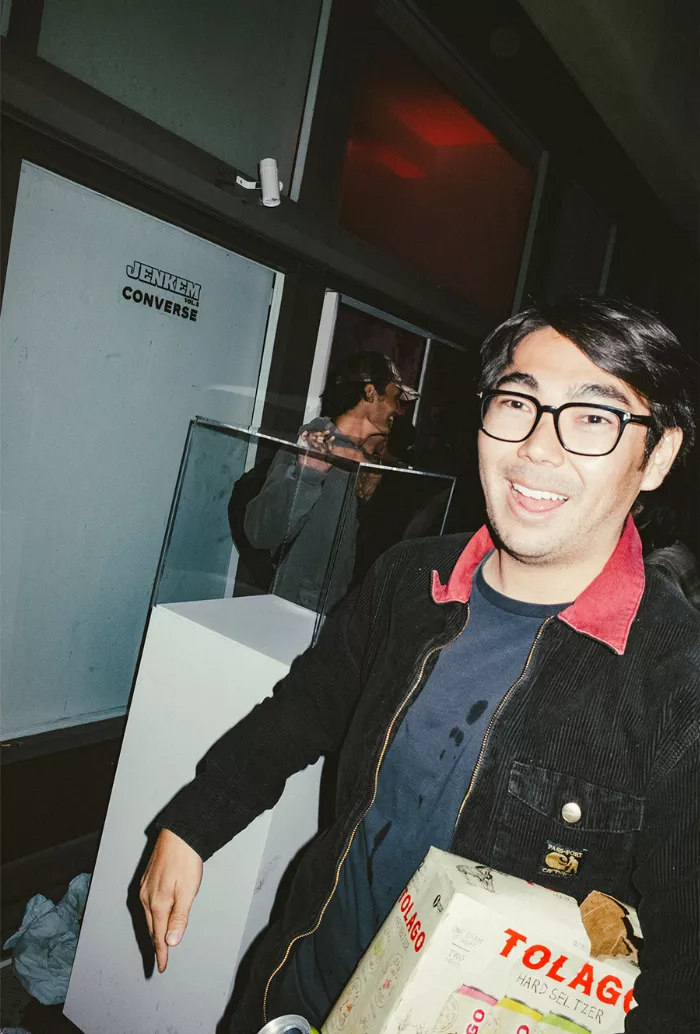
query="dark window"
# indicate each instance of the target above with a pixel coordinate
(448, 412)
(428, 183)
(579, 245)
(356, 330)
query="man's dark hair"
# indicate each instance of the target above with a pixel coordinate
(620, 338)
(348, 379)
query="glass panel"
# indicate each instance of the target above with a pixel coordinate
(198, 557)
(229, 77)
(428, 183)
(101, 375)
(357, 330)
(448, 424)
(254, 513)
(448, 418)
(579, 245)
(5, 7)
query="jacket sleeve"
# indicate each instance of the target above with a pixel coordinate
(283, 505)
(667, 990)
(245, 772)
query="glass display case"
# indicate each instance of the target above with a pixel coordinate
(255, 513)
(264, 536)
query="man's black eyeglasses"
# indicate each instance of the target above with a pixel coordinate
(583, 429)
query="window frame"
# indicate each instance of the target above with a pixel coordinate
(331, 126)
(324, 345)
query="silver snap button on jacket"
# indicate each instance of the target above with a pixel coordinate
(571, 812)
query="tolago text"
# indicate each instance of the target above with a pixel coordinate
(411, 919)
(606, 987)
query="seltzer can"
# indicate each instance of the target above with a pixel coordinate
(290, 1022)
(510, 1016)
(553, 1023)
(465, 1010)
(475, 1007)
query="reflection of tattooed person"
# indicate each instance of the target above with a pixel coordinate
(303, 503)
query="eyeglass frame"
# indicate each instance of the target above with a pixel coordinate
(623, 416)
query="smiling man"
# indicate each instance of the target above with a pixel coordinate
(527, 697)
(566, 448)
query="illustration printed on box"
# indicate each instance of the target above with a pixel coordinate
(388, 981)
(478, 876)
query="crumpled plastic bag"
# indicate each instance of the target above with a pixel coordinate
(44, 947)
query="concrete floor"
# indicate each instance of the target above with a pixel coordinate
(55, 789)
(19, 1009)
(49, 873)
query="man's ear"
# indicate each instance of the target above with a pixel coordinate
(661, 459)
(370, 393)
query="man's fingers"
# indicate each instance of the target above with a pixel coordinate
(177, 924)
(161, 915)
(145, 905)
(149, 919)
(168, 889)
(168, 924)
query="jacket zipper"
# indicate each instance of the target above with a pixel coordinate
(359, 822)
(494, 716)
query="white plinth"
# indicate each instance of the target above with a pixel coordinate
(204, 666)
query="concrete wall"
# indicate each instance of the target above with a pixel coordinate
(636, 61)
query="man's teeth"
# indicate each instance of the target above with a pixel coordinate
(532, 494)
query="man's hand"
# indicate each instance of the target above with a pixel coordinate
(168, 888)
(318, 442)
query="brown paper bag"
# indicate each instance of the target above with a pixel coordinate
(609, 927)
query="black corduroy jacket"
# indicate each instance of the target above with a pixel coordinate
(606, 714)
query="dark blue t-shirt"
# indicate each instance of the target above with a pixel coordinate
(422, 783)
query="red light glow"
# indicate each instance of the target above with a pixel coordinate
(439, 120)
(382, 154)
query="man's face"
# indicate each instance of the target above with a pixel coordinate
(381, 412)
(594, 493)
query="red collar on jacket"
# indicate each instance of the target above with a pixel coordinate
(604, 610)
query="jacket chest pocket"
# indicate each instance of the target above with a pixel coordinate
(559, 830)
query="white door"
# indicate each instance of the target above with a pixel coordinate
(117, 329)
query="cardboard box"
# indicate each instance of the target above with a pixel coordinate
(468, 950)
